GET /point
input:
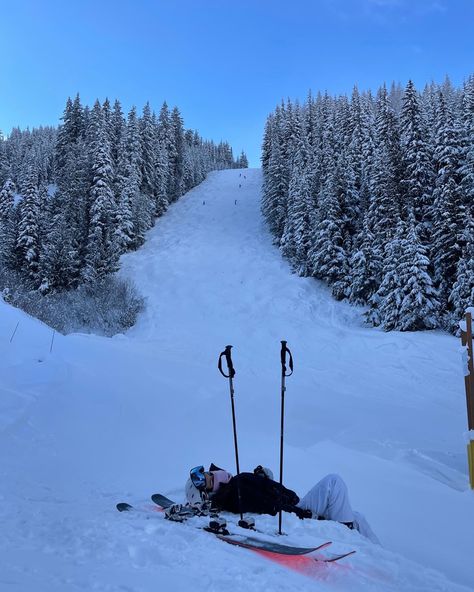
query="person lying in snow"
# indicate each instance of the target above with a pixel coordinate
(260, 494)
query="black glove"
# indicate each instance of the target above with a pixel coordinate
(301, 513)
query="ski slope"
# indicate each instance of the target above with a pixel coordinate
(96, 421)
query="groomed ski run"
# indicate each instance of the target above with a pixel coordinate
(97, 421)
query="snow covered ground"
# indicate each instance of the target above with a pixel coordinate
(96, 421)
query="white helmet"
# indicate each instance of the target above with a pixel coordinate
(268, 472)
(193, 494)
(263, 472)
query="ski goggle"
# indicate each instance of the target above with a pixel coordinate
(198, 478)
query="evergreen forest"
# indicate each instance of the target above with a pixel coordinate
(73, 199)
(374, 194)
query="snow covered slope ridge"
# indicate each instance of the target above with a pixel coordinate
(96, 421)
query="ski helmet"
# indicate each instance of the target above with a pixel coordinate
(193, 494)
(263, 472)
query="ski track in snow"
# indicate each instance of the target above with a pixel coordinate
(98, 420)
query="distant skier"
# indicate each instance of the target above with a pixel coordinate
(235, 202)
(240, 185)
(260, 494)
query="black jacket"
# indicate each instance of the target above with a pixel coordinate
(258, 494)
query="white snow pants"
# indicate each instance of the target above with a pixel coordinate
(329, 499)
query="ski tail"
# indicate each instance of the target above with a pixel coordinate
(162, 501)
(146, 509)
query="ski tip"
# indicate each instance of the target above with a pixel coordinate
(123, 507)
(334, 558)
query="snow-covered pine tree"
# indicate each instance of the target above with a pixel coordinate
(59, 259)
(148, 141)
(467, 167)
(28, 240)
(327, 257)
(406, 299)
(108, 124)
(191, 162)
(125, 236)
(7, 221)
(462, 293)
(177, 155)
(267, 143)
(275, 189)
(161, 174)
(72, 200)
(4, 168)
(365, 267)
(385, 303)
(117, 138)
(141, 206)
(165, 136)
(72, 129)
(417, 170)
(242, 161)
(101, 251)
(449, 210)
(124, 196)
(419, 307)
(7, 194)
(295, 240)
(368, 127)
(356, 140)
(383, 211)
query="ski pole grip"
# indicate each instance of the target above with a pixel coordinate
(284, 351)
(228, 357)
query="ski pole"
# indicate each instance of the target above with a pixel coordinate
(283, 353)
(231, 373)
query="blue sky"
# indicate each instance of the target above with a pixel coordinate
(226, 64)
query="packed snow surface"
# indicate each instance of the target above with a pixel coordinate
(86, 422)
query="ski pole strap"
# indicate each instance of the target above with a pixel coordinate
(284, 351)
(230, 367)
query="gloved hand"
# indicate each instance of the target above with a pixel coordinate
(301, 513)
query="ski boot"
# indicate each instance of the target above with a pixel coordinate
(247, 523)
(178, 512)
(217, 525)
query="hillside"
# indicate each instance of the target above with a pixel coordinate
(96, 421)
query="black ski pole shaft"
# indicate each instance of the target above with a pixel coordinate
(231, 373)
(282, 427)
(283, 353)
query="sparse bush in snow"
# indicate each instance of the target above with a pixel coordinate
(106, 307)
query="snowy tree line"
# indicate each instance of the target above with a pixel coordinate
(73, 199)
(375, 196)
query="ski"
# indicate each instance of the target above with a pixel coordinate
(254, 544)
(124, 507)
(337, 557)
(302, 559)
(161, 500)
